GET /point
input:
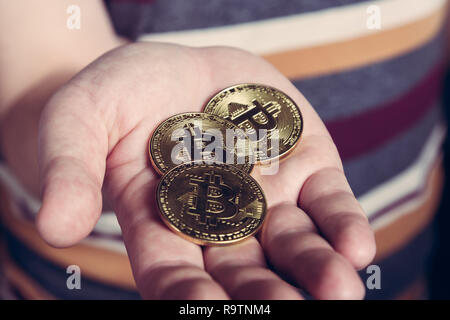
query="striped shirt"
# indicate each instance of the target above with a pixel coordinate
(377, 84)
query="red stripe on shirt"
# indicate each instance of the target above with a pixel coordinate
(359, 134)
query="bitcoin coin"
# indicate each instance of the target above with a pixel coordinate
(271, 119)
(197, 136)
(211, 204)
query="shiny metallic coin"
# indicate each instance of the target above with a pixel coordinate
(212, 204)
(271, 119)
(196, 136)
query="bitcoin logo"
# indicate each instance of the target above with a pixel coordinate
(254, 119)
(265, 113)
(211, 204)
(211, 199)
(199, 136)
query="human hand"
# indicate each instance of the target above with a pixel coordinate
(94, 133)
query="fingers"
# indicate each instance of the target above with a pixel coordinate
(241, 269)
(338, 216)
(164, 265)
(179, 282)
(329, 201)
(293, 246)
(72, 153)
(346, 227)
(313, 176)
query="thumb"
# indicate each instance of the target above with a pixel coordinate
(73, 146)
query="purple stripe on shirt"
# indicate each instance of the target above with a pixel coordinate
(371, 129)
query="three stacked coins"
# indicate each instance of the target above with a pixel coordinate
(206, 193)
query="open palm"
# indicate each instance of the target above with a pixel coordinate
(93, 137)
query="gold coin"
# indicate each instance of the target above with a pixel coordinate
(271, 119)
(198, 136)
(211, 204)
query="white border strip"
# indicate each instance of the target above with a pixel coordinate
(304, 30)
(107, 223)
(400, 211)
(408, 181)
(113, 245)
